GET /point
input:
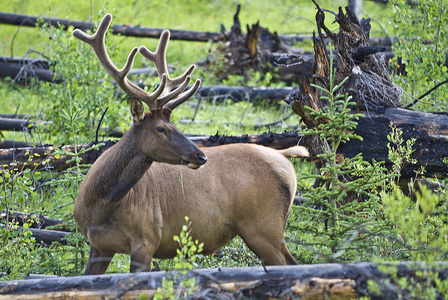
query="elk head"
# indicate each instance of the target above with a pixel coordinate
(155, 135)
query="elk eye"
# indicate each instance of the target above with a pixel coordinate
(161, 130)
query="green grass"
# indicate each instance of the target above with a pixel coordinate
(284, 17)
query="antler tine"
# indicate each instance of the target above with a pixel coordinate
(159, 59)
(97, 42)
(184, 96)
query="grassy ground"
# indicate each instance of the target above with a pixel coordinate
(281, 16)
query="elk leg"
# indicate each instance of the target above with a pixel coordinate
(141, 257)
(270, 248)
(98, 262)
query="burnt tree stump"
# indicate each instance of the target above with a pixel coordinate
(374, 95)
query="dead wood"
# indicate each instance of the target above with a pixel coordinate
(329, 281)
(368, 83)
(43, 236)
(136, 31)
(34, 220)
(243, 53)
(25, 70)
(429, 129)
(265, 95)
(19, 124)
(44, 157)
(7, 144)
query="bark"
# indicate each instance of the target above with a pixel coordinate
(325, 281)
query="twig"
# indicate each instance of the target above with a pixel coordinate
(99, 124)
(426, 94)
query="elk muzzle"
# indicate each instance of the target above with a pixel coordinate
(202, 159)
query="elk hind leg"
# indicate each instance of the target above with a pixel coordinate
(141, 257)
(98, 261)
(270, 248)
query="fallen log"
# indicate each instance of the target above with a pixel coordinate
(24, 70)
(19, 124)
(43, 236)
(266, 95)
(7, 144)
(429, 129)
(137, 31)
(324, 281)
(34, 220)
(38, 157)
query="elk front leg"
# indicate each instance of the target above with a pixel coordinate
(98, 261)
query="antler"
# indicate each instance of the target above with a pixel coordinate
(162, 96)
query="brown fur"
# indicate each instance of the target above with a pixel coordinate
(127, 204)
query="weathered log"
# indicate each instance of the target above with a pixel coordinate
(24, 70)
(34, 220)
(34, 157)
(430, 131)
(136, 31)
(19, 124)
(324, 281)
(45, 237)
(266, 95)
(7, 144)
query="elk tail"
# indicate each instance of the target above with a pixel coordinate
(295, 151)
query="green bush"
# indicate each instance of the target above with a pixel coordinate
(420, 30)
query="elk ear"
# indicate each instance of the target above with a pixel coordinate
(137, 110)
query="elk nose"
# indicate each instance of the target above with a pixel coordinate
(202, 158)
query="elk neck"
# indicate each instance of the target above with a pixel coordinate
(118, 169)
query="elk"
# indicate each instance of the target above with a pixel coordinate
(135, 197)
